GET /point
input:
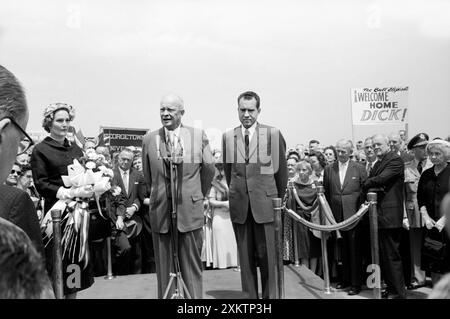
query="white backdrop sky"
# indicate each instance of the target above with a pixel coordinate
(113, 60)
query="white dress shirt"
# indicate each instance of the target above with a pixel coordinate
(125, 178)
(251, 131)
(342, 171)
(373, 164)
(170, 135)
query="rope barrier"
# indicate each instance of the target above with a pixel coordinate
(327, 228)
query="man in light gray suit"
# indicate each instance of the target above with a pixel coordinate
(256, 171)
(195, 171)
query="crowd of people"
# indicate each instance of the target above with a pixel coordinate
(410, 177)
(213, 207)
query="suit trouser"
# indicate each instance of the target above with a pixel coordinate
(415, 240)
(121, 253)
(189, 255)
(405, 252)
(148, 254)
(256, 247)
(352, 257)
(391, 260)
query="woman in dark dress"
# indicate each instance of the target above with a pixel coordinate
(287, 222)
(302, 198)
(49, 161)
(433, 185)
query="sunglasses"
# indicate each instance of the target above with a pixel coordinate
(13, 171)
(26, 142)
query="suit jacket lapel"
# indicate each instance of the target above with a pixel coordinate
(239, 141)
(161, 146)
(380, 164)
(259, 136)
(130, 182)
(336, 175)
(348, 173)
(120, 181)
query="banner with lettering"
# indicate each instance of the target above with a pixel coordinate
(379, 105)
(118, 138)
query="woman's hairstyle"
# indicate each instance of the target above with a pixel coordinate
(320, 157)
(333, 149)
(50, 111)
(306, 164)
(25, 168)
(441, 145)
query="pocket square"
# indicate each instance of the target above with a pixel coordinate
(353, 177)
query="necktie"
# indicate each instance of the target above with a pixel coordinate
(247, 142)
(419, 167)
(369, 168)
(125, 181)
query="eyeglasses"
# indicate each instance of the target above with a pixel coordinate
(13, 171)
(26, 142)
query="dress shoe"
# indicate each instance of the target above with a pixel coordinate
(395, 296)
(415, 285)
(341, 285)
(354, 290)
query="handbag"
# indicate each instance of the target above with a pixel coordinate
(434, 249)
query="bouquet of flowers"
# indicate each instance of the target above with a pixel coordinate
(92, 172)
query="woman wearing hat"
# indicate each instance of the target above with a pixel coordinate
(433, 185)
(49, 161)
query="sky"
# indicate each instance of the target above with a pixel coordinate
(114, 60)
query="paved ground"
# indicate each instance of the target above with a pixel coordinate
(300, 283)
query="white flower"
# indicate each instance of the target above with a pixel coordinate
(92, 154)
(116, 190)
(90, 165)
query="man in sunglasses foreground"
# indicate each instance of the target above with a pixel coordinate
(15, 204)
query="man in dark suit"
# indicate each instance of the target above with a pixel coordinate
(17, 207)
(395, 143)
(343, 181)
(387, 178)
(13, 121)
(189, 149)
(256, 171)
(127, 245)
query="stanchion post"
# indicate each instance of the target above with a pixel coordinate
(295, 230)
(276, 203)
(109, 275)
(372, 198)
(323, 241)
(57, 257)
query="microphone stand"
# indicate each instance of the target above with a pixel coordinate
(176, 278)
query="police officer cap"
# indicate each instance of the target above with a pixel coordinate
(418, 140)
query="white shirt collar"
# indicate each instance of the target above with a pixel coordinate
(343, 164)
(251, 130)
(176, 132)
(122, 171)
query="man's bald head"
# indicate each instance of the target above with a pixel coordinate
(394, 141)
(171, 111)
(380, 144)
(13, 113)
(174, 100)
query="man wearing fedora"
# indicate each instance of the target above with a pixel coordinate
(412, 219)
(129, 226)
